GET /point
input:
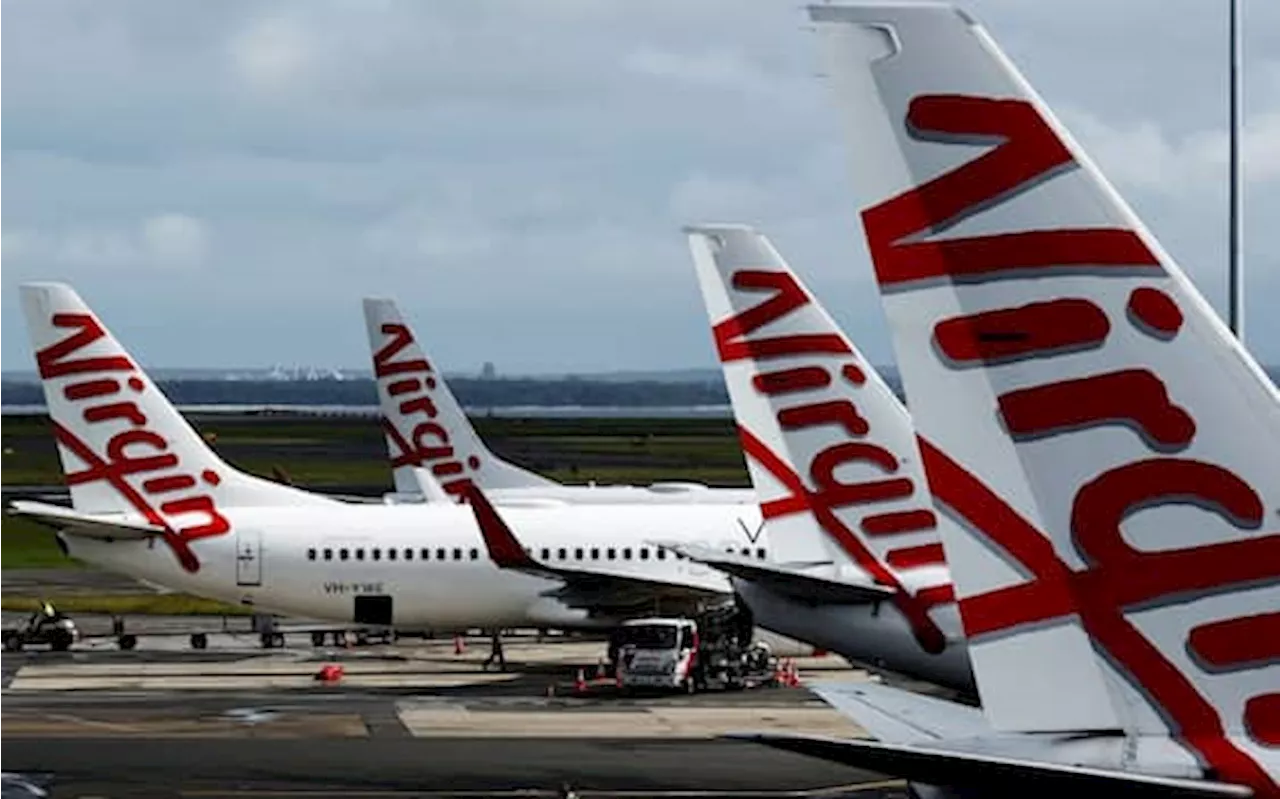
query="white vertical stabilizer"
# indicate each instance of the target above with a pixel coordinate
(425, 426)
(831, 451)
(124, 448)
(1112, 451)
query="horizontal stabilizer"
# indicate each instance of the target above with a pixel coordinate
(988, 774)
(429, 487)
(893, 715)
(97, 526)
(786, 582)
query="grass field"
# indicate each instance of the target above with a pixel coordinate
(127, 604)
(349, 455)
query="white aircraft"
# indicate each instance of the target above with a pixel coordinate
(427, 428)
(857, 564)
(1111, 450)
(151, 500)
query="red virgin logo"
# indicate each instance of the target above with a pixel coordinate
(136, 462)
(409, 382)
(1116, 576)
(830, 495)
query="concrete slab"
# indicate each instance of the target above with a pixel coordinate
(625, 721)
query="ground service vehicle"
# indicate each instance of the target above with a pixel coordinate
(713, 650)
(46, 627)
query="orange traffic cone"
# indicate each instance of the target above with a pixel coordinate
(580, 683)
(459, 645)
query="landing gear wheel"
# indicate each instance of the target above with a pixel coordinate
(127, 642)
(267, 640)
(12, 643)
(199, 641)
(277, 640)
(61, 641)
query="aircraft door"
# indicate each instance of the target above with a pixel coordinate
(248, 556)
(374, 609)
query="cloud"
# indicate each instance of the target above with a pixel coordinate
(527, 166)
(174, 241)
(1145, 155)
(271, 53)
(167, 241)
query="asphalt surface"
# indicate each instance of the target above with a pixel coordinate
(349, 739)
(424, 767)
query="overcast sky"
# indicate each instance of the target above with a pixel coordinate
(224, 181)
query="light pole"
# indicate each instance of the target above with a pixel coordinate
(1235, 234)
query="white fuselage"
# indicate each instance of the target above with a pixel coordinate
(655, 494)
(873, 634)
(315, 562)
(673, 493)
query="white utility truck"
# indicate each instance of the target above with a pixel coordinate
(713, 650)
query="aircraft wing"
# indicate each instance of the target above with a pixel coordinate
(82, 524)
(784, 581)
(583, 587)
(992, 774)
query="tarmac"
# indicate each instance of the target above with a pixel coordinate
(411, 719)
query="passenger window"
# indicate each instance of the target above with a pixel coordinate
(408, 553)
(611, 553)
(475, 554)
(644, 553)
(328, 553)
(440, 554)
(595, 553)
(457, 553)
(761, 554)
(360, 553)
(626, 553)
(662, 554)
(746, 552)
(344, 553)
(561, 553)
(546, 554)
(311, 554)
(377, 553)
(391, 554)
(577, 553)
(424, 554)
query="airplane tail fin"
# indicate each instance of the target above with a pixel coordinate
(1110, 448)
(831, 451)
(124, 448)
(425, 426)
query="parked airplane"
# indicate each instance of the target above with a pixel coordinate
(857, 563)
(151, 500)
(426, 427)
(1111, 450)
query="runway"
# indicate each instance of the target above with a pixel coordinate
(407, 720)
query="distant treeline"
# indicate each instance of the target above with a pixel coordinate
(474, 393)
